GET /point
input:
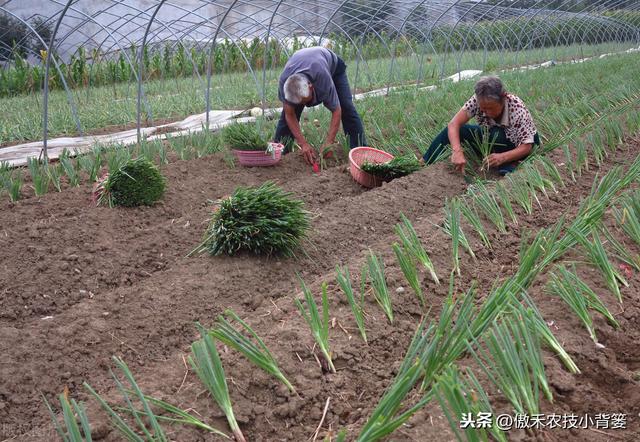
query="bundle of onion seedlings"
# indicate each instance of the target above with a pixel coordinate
(260, 220)
(241, 136)
(136, 183)
(399, 166)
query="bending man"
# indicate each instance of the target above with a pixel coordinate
(504, 115)
(310, 77)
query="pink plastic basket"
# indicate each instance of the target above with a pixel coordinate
(259, 158)
(358, 156)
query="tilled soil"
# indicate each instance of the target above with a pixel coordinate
(81, 283)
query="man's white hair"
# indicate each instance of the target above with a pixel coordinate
(296, 88)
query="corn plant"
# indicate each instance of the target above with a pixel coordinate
(319, 325)
(408, 267)
(513, 362)
(379, 284)
(155, 433)
(206, 363)
(344, 280)
(39, 176)
(259, 354)
(69, 168)
(579, 297)
(598, 257)
(72, 412)
(412, 245)
(461, 396)
(485, 200)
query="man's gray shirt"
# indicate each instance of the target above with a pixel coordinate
(318, 64)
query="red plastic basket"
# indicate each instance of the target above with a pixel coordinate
(259, 158)
(358, 156)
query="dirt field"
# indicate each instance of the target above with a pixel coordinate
(79, 284)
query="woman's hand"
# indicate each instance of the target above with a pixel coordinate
(458, 160)
(494, 160)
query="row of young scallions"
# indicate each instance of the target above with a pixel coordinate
(504, 335)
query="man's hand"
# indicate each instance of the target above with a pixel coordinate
(327, 148)
(494, 160)
(458, 160)
(308, 154)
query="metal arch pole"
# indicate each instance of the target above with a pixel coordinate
(164, 25)
(179, 38)
(462, 35)
(537, 11)
(227, 34)
(358, 50)
(141, 67)
(45, 111)
(57, 67)
(326, 25)
(497, 6)
(362, 35)
(431, 28)
(587, 18)
(266, 51)
(358, 45)
(122, 50)
(454, 29)
(451, 29)
(395, 43)
(213, 45)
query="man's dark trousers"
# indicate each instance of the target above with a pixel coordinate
(351, 122)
